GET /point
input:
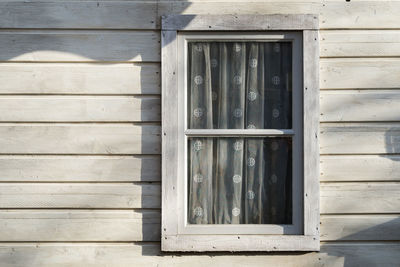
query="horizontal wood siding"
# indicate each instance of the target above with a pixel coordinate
(348, 73)
(34, 168)
(82, 225)
(353, 198)
(146, 15)
(365, 105)
(365, 43)
(79, 139)
(360, 138)
(147, 168)
(80, 78)
(136, 139)
(148, 254)
(71, 45)
(80, 195)
(117, 226)
(81, 136)
(360, 168)
(360, 227)
(79, 109)
(343, 198)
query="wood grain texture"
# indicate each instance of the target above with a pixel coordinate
(169, 157)
(240, 22)
(130, 14)
(353, 198)
(69, 45)
(360, 138)
(79, 109)
(61, 225)
(79, 139)
(145, 15)
(126, 225)
(73, 14)
(81, 195)
(311, 134)
(342, 198)
(360, 15)
(344, 73)
(360, 227)
(80, 168)
(356, 43)
(360, 168)
(240, 243)
(79, 78)
(148, 254)
(365, 105)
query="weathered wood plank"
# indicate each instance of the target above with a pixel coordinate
(360, 198)
(360, 138)
(61, 225)
(79, 139)
(81, 195)
(116, 226)
(239, 7)
(69, 45)
(76, 14)
(79, 109)
(130, 14)
(360, 227)
(365, 105)
(360, 168)
(346, 198)
(240, 243)
(79, 78)
(240, 22)
(356, 43)
(145, 15)
(148, 254)
(80, 168)
(170, 122)
(343, 73)
(311, 134)
(360, 254)
(360, 15)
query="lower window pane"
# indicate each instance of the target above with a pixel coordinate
(240, 180)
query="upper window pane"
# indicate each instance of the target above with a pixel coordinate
(239, 85)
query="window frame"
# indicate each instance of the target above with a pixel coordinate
(178, 237)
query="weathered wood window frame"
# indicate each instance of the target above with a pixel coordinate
(176, 236)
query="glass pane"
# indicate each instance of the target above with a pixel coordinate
(240, 180)
(240, 85)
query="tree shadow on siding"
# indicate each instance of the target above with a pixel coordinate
(89, 43)
(392, 142)
(374, 246)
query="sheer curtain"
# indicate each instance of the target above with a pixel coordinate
(237, 180)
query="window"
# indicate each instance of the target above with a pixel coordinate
(240, 133)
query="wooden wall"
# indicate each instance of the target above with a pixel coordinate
(80, 133)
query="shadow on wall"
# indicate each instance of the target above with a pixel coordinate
(352, 253)
(58, 37)
(85, 31)
(122, 45)
(340, 253)
(392, 141)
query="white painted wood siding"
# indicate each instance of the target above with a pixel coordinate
(80, 132)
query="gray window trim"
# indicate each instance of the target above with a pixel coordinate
(176, 236)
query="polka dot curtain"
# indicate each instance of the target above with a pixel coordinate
(239, 85)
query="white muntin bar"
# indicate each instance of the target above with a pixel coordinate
(239, 132)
